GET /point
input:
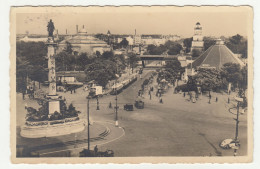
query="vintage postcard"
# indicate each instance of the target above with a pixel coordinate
(158, 84)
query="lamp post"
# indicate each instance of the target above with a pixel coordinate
(116, 110)
(238, 99)
(97, 103)
(88, 121)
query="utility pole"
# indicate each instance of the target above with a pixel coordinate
(236, 135)
(88, 124)
(116, 109)
(116, 102)
(237, 121)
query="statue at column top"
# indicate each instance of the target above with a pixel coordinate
(50, 28)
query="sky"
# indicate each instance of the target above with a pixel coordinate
(166, 21)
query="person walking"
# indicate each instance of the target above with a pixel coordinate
(95, 150)
(216, 99)
(161, 101)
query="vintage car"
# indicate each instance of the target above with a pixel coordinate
(139, 104)
(128, 107)
(229, 143)
(91, 153)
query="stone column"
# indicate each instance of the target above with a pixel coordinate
(51, 67)
(54, 103)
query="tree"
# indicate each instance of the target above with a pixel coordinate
(30, 62)
(195, 53)
(68, 48)
(209, 79)
(173, 70)
(82, 61)
(132, 60)
(124, 43)
(238, 44)
(101, 71)
(187, 43)
(208, 42)
(236, 39)
(173, 47)
(231, 72)
(156, 50)
(108, 55)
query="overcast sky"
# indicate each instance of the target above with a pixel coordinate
(149, 21)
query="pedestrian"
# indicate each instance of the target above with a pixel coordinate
(209, 96)
(70, 91)
(161, 101)
(150, 96)
(184, 94)
(96, 150)
(216, 99)
(23, 95)
(74, 90)
(228, 100)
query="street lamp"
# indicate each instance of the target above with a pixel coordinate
(116, 110)
(97, 103)
(238, 99)
(88, 97)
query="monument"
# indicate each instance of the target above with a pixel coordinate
(53, 118)
(54, 101)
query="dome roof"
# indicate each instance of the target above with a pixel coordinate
(215, 57)
(83, 30)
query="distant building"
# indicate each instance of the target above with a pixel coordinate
(153, 41)
(137, 40)
(69, 77)
(27, 39)
(172, 37)
(84, 43)
(197, 42)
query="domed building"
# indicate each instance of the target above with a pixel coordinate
(84, 43)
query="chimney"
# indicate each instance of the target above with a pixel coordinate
(77, 29)
(57, 34)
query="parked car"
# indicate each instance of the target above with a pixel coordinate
(229, 143)
(91, 153)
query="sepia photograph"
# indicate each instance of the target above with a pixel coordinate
(131, 84)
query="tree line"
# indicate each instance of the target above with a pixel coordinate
(31, 63)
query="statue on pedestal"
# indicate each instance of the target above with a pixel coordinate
(50, 28)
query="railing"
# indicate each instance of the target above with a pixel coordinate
(53, 122)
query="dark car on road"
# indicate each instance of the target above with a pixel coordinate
(139, 104)
(128, 107)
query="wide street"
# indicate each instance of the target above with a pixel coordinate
(176, 127)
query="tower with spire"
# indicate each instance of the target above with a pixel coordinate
(197, 42)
